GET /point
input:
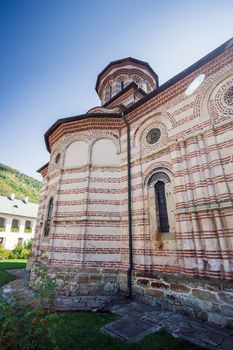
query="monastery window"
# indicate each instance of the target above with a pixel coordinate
(122, 85)
(15, 225)
(49, 218)
(153, 136)
(27, 227)
(20, 241)
(161, 207)
(194, 84)
(160, 203)
(228, 97)
(108, 92)
(57, 158)
(2, 224)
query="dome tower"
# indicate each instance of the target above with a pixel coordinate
(125, 81)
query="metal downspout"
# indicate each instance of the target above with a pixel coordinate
(130, 269)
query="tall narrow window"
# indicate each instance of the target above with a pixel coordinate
(49, 218)
(161, 207)
(122, 85)
(110, 92)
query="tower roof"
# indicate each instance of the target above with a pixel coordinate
(125, 61)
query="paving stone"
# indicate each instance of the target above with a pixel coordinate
(228, 343)
(129, 328)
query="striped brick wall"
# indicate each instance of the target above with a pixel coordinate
(90, 221)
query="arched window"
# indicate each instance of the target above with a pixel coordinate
(49, 218)
(161, 203)
(108, 92)
(161, 207)
(122, 85)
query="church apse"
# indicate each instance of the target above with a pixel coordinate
(181, 189)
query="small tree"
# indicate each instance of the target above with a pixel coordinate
(31, 327)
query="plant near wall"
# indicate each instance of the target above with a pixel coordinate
(31, 327)
(2, 228)
(14, 229)
(22, 251)
(5, 253)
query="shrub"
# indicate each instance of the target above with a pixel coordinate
(22, 251)
(28, 244)
(5, 253)
(31, 327)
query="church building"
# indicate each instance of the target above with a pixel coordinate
(138, 194)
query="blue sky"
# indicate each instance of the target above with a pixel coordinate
(53, 50)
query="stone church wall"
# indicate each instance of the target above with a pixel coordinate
(188, 268)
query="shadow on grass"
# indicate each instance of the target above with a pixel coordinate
(82, 331)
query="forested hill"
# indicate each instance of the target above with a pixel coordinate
(13, 181)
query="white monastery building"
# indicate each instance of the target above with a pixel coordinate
(17, 221)
(138, 194)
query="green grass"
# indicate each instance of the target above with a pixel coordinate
(82, 331)
(13, 264)
(6, 277)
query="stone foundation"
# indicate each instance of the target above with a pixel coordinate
(202, 298)
(206, 299)
(83, 281)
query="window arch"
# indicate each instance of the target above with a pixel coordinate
(160, 204)
(108, 92)
(49, 218)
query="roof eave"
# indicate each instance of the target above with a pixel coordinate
(204, 60)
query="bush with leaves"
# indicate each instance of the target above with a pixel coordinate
(5, 253)
(22, 251)
(31, 327)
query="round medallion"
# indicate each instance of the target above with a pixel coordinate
(153, 136)
(58, 156)
(228, 97)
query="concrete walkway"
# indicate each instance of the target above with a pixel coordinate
(137, 319)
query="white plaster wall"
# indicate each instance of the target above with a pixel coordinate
(104, 152)
(10, 239)
(76, 154)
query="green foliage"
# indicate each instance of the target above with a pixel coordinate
(21, 251)
(31, 327)
(2, 228)
(28, 244)
(13, 181)
(5, 253)
(14, 229)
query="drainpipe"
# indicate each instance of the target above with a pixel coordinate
(130, 269)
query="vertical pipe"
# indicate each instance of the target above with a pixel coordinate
(130, 269)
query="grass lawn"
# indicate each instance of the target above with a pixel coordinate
(81, 331)
(6, 277)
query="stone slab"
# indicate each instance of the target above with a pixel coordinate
(129, 329)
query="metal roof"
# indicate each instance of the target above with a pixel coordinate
(18, 207)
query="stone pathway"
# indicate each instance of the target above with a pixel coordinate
(144, 319)
(207, 335)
